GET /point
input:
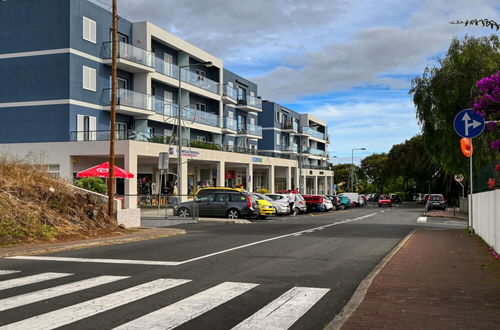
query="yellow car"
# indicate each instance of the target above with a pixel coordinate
(265, 208)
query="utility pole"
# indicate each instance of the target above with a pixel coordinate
(114, 55)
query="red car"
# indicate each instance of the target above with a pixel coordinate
(384, 200)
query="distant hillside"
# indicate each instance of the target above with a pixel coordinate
(34, 207)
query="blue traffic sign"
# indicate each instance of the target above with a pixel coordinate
(468, 124)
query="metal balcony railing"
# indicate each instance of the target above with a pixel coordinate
(130, 53)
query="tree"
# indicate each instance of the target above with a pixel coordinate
(341, 175)
(92, 184)
(375, 169)
(441, 92)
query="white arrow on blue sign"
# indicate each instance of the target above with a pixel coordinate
(468, 124)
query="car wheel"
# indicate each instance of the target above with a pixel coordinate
(184, 212)
(322, 208)
(233, 214)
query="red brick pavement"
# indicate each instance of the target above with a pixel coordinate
(440, 279)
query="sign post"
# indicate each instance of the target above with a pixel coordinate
(469, 124)
(163, 167)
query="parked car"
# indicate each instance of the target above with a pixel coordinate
(436, 201)
(233, 203)
(335, 201)
(396, 199)
(281, 206)
(353, 197)
(384, 200)
(315, 203)
(266, 208)
(299, 206)
(344, 202)
(328, 204)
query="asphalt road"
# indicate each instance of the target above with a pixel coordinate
(291, 272)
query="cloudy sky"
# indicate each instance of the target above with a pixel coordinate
(349, 62)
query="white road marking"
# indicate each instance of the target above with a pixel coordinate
(176, 263)
(7, 272)
(285, 310)
(92, 307)
(30, 280)
(422, 220)
(98, 260)
(189, 308)
(56, 291)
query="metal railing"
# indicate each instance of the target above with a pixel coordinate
(130, 53)
(129, 98)
(230, 123)
(316, 134)
(250, 129)
(197, 80)
(250, 100)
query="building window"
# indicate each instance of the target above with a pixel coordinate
(53, 170)
(121, 131)
(86, 128)
(201, 106)
(89, 30)
(242, 93)
(278, 138)
(121, 37)
(278, 117)
(201, 138)
(230, 84)
(89, 78)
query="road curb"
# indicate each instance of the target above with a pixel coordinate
(358, 295)
(82, 245)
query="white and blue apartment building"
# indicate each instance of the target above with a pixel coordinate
(55, 69)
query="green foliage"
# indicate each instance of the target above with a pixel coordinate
(441, 92)
(375, 169)
(263, 191)
(204, 145)
(93, 184)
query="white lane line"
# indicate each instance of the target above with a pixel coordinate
(187, 309)
(422, 220)
(285, 310)
(97, 260)
(7, 272)
(56, 291)
(176, 263)
(30, 280)
(92, 307)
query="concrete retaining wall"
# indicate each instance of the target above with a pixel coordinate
(486, 217)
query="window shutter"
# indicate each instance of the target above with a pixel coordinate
(92, 128)
(89, 78)
(277, 139)
(79, 127)
(89, 30)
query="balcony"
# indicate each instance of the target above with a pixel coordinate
(290, 126)
(165, 108)
(229, 94)
(168, 69)
(309, 131)
(130, 58)
(290, 149)
(249, 103)
(249, 129)
(127, 99)
(230, 125)
(200, 81)
(317, 152)
(201, 117)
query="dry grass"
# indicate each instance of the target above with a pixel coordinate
(34, 207)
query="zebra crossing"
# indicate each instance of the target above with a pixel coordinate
(281, 313)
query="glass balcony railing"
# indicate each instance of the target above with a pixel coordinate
(250, 129)
(293, 148)
(317, 152)
(230, 123)
(201, 117)
(130, 53)
(165, 108)
(229, 91)
(250, 100)
(199, 81)
(166, 68)
(316, 134)
(129, 98)
(290, 124)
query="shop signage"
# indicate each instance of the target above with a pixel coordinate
(185, 152)
(257, 160)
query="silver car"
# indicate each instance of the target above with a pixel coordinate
(281, 206)
(300, 204)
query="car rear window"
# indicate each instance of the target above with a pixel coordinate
(437, 198)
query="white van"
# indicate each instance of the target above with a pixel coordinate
(353, 197)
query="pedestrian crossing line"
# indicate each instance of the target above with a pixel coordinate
(7, 272)
(285, 310)
(32, 297)
(187, 309)
(7, 284)
(92, 307)
(98, 260)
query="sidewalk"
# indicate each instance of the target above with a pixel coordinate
(137, 235)
(448, 214)
(439, 279)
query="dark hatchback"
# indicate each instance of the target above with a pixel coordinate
(220, 202)
(436, 201)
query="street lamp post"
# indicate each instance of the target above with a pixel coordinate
(333, 179)
(352, 167)
(179, 124)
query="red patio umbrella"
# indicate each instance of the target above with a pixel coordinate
(102, 171)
